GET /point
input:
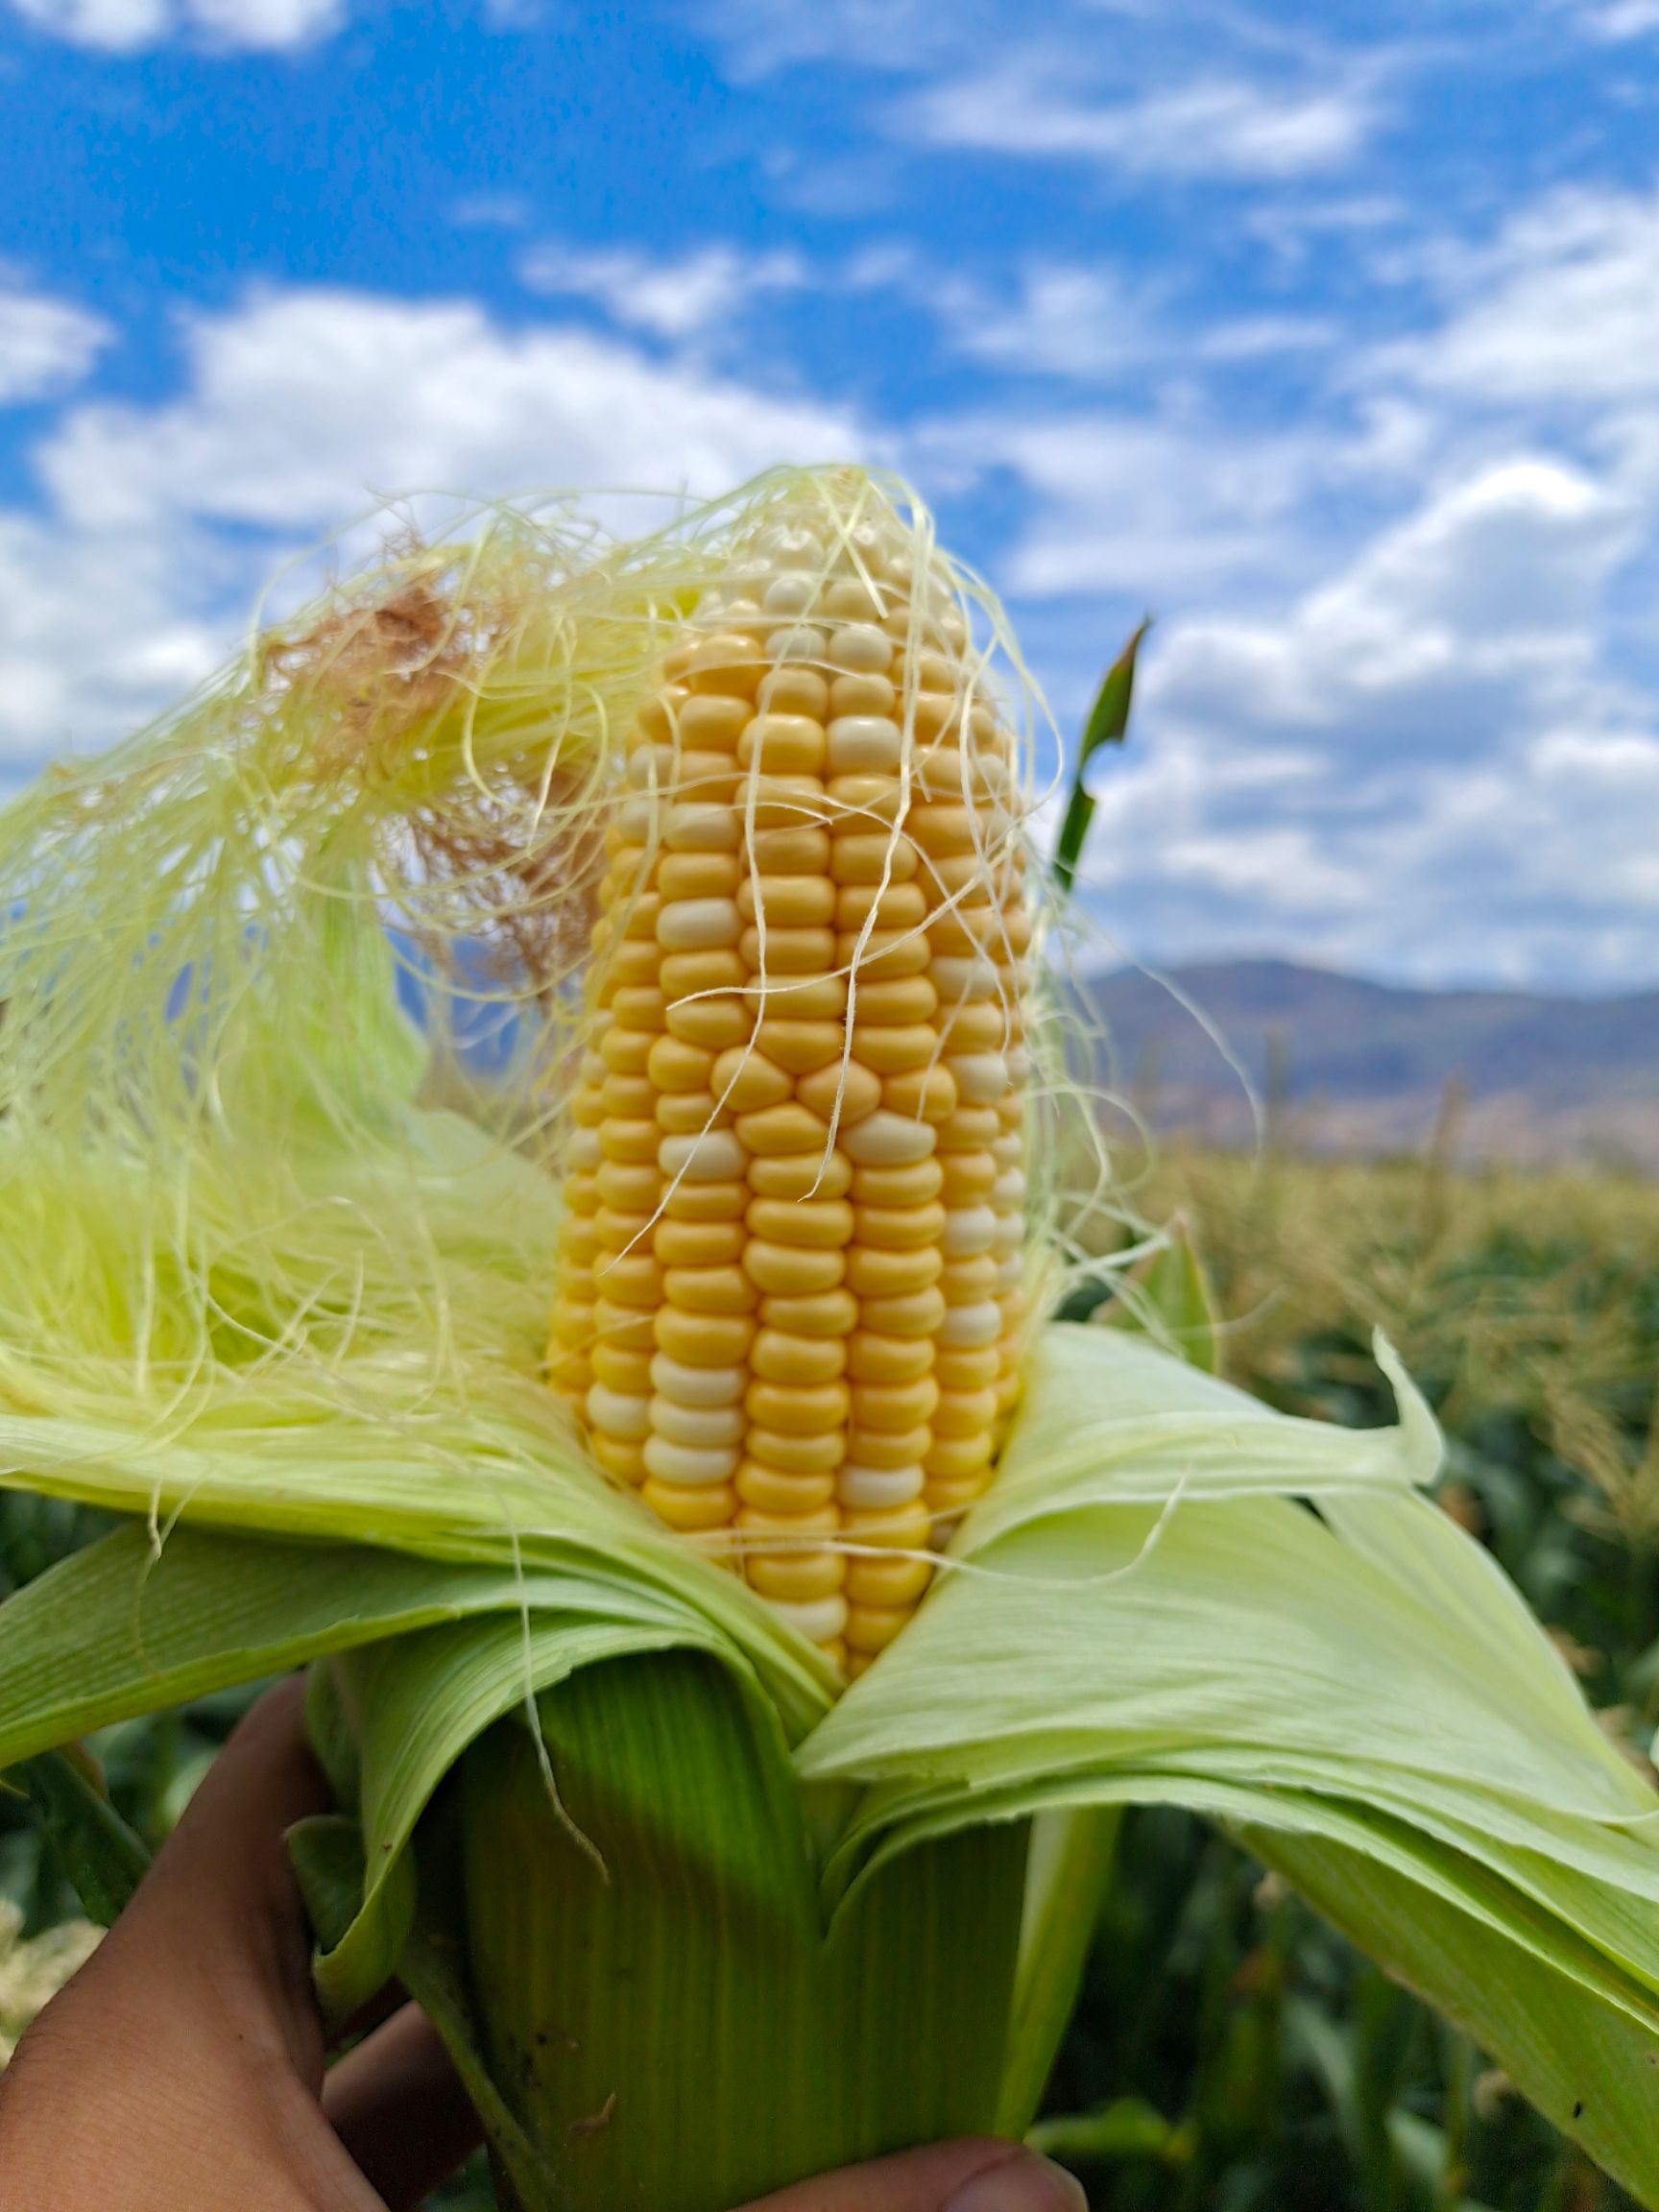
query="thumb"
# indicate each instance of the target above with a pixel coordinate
(979, 2175)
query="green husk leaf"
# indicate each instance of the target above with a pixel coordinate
(1362, 1680)
(669, 2009)
(417, 1703)
(327, 1855)
(1067, 1872)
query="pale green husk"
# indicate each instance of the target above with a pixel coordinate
(274, 1276)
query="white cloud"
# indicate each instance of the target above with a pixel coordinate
(1084, 324)
(127, 26)
(1493, 587)
(1617, 20)
(300, 408)
(1458, 787)
(97, 632)
(1214, 126)
(1564, 306)
(45, 345)
(305, 406)
(1090, 324)
(701, 295)
(1161, 508)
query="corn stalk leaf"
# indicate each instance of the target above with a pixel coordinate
(1108, 724)
(103, 1857)
(1167, 1297)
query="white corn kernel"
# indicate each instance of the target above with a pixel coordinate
(968, 1230)
(860, 649)
(981, 1078)
(708, 1156)
(867, 1488)
(698, 925)
(820, 1621)
(690, 1466)
(967, 1328)
(697, 1385)
(791, 595)
(961, 978)
(700, 1425)
(863, 742)
(800, 642)
(613, 1414)
(888, 1139)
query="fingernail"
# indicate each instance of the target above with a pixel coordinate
(1021, 2183)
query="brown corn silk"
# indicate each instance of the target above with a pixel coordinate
(790, 1303)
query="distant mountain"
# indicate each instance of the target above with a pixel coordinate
(1365, 1067)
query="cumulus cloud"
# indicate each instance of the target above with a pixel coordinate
(127, 26)
(45, 345)
(303, 406)
(299, 409)
(1423, 766)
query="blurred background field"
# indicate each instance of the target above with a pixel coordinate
(1229, 2054)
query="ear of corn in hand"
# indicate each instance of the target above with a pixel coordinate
(790, 1304)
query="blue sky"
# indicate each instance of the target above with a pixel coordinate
(1328, 334)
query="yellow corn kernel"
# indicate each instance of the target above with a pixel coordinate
(625, 1460)
(876, 1272)
(798, 1045)
(845, 1089)
(783, 1129)
(792, 1270)
(704, 1339)
(821, 1224)
(871, 1629)
(801, 1361)
(710, 1024)
(873, 1359)
(795, 1578)
(772, 1490)
(787, 902)
(890, 1585)
(802, 1175)
(791, 1454)
(690, 1510)
(746, 1081)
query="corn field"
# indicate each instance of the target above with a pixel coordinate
(1230, 2052)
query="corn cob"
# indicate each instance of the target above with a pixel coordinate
(789, 1297)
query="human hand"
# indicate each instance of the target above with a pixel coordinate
(185, 2066)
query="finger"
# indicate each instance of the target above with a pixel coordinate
(220, 1908)
(397, 2106)
(979, 2175)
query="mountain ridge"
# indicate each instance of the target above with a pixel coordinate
(1367, 1066)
